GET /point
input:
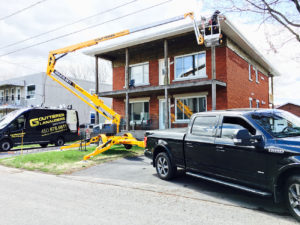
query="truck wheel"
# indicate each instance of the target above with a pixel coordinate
(292, 196)
(59, 142)
(5, 145)
(44, 145)
(128, 146)
(164, 168)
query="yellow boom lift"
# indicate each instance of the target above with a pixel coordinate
(93, 100)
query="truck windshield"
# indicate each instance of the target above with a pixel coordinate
(4, 121)
(279, 124)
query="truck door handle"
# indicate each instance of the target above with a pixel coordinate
(190, 145)
(220, 148)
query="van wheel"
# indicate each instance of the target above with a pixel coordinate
(5, 145)
(292, 196)
(164, 168)
(44, 145)
(59, 142)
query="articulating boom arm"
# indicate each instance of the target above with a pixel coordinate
(97, 102)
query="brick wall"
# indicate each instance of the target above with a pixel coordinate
(295, 109)
(118, 78)
(239, 88)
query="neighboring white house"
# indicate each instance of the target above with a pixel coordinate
(39, 89)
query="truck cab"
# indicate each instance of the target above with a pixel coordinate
(254, 150)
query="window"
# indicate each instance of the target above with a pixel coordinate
(139, 73)
(186, 107)
(257, 103)
(250, 103)
(232, 124)
(92, 118)
(190, 66)
(139, 111)
(250, 72)
(279, 124)
(17, 124)
(12, 94)
(2, 95)
(30, 91)
(204, 125)
(19, 94)
(6, 95)
(256, 76)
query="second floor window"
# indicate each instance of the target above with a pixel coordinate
(12, 94)
(30, 91)
(139, 73)
(190, 66)
(19, 94)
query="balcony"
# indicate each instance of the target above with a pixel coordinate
(9, 102)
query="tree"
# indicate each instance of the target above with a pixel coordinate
(284, 14)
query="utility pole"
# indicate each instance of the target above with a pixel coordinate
(166, 82)
(213, 77)
(97, 86)
(126, 88)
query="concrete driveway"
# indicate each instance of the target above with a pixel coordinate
(139, 171)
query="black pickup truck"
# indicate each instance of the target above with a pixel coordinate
(254, 150)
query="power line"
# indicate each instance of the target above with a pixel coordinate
(22, 10)
(86, 28)
(66, 25)
(18, 64)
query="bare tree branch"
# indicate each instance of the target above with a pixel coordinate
(297, 5)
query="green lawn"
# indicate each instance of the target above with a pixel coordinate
(60, 162)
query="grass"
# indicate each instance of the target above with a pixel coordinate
(62, 162)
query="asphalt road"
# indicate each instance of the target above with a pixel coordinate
(127, 191)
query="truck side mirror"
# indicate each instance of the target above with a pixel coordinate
(242, 137)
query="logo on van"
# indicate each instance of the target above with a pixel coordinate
(47, 119)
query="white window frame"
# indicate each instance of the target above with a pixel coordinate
(2, 97)
(250, 103)
(192, 77)
(27, 91)
(12, 93)
(140, 64)
(257, 104)
(138, 101)
(17, 94)
(187, 97)
(250, 75)
(256, 76)
(6, 94)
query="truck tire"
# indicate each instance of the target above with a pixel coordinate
(5, 145)
(44, 145)
(164, 168)
(292, 195)
(59, 141)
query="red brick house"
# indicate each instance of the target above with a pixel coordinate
(243, 75)
(290, 107)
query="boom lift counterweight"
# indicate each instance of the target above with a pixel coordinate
(98, 104)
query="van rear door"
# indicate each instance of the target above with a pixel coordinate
(72, 120)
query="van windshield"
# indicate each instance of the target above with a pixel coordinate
(279, 124)
(4, 121)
